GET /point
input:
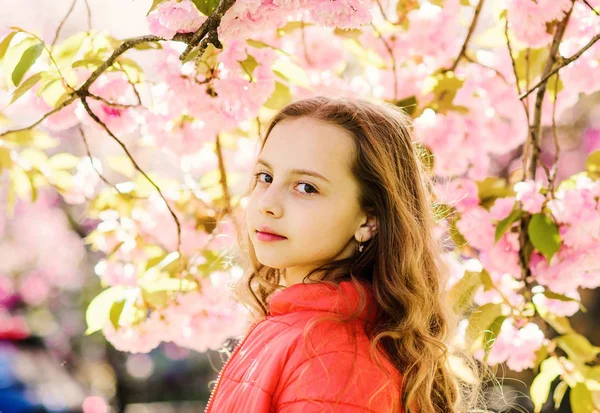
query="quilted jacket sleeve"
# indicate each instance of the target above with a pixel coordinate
(337, 381)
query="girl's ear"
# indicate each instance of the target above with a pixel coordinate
(368, 229)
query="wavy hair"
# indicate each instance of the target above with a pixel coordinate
(403, 262)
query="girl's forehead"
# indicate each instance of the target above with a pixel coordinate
(306, 143)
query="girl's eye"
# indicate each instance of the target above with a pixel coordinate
(312, 190)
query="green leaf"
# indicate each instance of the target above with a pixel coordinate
(559, 393)
(98, 312)
(206, 7)
(461, 294)
(544, 235)
(281, 96)
(480, 321)
(581, 399)
(26, 85)
(506, 223)
(115, 313)
(5, 43)
(577, 347)
(540, 387)
(28, 58)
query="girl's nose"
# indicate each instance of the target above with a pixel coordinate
(270, 203)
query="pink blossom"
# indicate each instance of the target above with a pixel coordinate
(516, 347)
(559, 307)
(528, 19)
(173, 17)
(507, 284)
(502, 207)
(477, 227)
(528, 194)
(115, 88)
(460, 193)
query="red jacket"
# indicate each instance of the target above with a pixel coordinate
(271, 371)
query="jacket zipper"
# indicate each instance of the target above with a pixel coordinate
(235, 351)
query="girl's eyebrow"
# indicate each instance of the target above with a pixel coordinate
(296, 171)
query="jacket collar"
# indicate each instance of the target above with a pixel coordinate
(321, 297)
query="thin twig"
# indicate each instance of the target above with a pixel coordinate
(60, 26)
(391, 53)
(590, 6)
(89, 154)
(562, 63)
(89, 15)
(306, 55)
(477, 62)
(468, 38)
(113, 104)
(140, 170)
(554, 169)
(223, 172)
(53, 111)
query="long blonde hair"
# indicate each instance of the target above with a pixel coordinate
(403, 261)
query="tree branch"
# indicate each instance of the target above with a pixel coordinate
(562, 63)
(137, 167)
(468, 38)
(207, 33)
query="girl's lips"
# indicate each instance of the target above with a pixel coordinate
(265, 236)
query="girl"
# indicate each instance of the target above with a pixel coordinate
(345, 277)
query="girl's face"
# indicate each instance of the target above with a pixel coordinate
(306, 193)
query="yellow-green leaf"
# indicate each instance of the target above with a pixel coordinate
(480, 321)
(98, 311)
(115, 312)
(26, 85)
(5, 43)
(577, 347)
(6, 161)
(281, 96)
(559, 393)
(461, 294)
(64, 161)
(581, 399)
(540, 387)
(28, 58)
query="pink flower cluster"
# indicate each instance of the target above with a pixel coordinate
(528, 18)
(190, 110)
(197, 320)
(247, 18)
(172, 17)
(515, 346)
